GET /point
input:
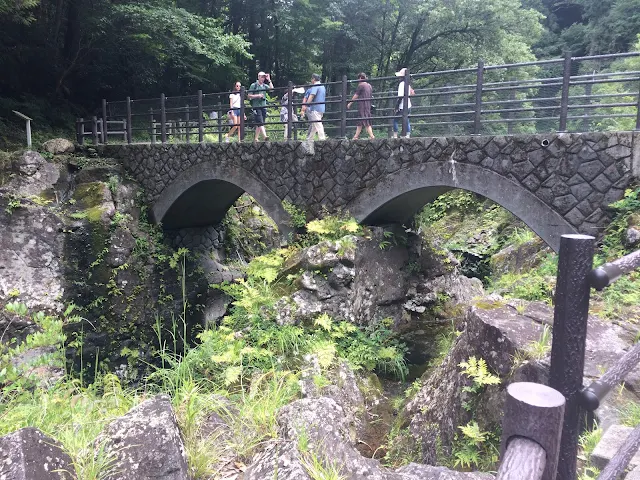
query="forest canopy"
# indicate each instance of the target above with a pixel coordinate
(75, 52)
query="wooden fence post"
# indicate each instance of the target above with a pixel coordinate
(220, 123)
(200, 119)
(242, 109)
(188, 128)
(104, 121)
(289, 110)
(532, 412)
(152, 125)
(94, 130)
(477, 117)
(570, 314)
(163, 119)
(564, 99)
(405, 104)
(129, 117)
(343, 108)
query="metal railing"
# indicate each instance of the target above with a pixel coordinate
(571, 94)
(575, 279)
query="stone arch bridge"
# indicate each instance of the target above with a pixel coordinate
(555, 183)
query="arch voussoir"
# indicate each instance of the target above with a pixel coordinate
(397, 197)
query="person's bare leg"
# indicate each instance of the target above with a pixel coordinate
(370, 131)
(357, 134)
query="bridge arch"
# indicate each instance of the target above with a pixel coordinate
(202, 194)
(399, 196)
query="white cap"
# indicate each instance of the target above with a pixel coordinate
(261, 74)
(401, 72)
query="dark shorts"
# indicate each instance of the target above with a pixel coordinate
(236, 112)
(260, 116)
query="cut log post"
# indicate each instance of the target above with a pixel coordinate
(524, 459)
(534, 412)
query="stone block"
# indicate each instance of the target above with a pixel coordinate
(612, 440)
(146, 443)
(28, 454)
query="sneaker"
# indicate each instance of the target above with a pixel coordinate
(226, 139)
(395, 135)
(408, 135)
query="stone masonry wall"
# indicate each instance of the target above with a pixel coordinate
(577, 175)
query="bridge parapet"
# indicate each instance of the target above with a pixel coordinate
(573, 176)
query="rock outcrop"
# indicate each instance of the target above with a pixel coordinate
(145, 444)
(28, 454)
(315, 436)
(508, 338)
(58, 146)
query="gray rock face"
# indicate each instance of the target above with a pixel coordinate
(498, 334)
(146, 443)
(58, 145)
(31, 249)
(35, 175)
(317, 430)
(28, 454)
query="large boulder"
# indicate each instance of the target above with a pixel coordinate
(33, 176)
(58, 146)
(28, 454)
(145, 443)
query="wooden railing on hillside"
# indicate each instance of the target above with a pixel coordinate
(574, 94)
(542, 424)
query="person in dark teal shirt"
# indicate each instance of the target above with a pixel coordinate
(257, 96)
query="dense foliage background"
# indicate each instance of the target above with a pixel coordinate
(63, 55)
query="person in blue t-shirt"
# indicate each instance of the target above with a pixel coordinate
(313, 106)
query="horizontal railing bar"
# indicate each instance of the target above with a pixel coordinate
(602, 105)
(606, 274)
(498, 89)
(524, 64)
(618, 464)
(613, 80)
(603, 95)
(604, 57)
(524, 81)
(517, 120)
(612, 115)
(531, 109)
(521, 100)
(606, 74)
(598, 389)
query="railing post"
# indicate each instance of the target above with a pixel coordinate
(534, 412)
(405, 103)
(343, 108)
(152, 126)
(94, 130)
(638, 111)
(585, 113)
(477, 118)
(242, 97)
(564, 99)
(200, 118)
(104, 121)
(80, 131)
(128, 120)
(163, 120)
(188, 126)
(289, 110)
(220, 124)
(570, 314)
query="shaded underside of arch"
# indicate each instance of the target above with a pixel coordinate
(399, 196)
(202, 194)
